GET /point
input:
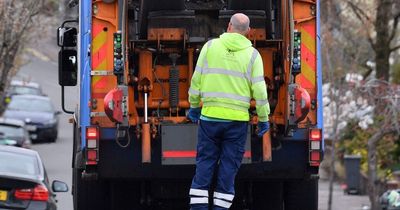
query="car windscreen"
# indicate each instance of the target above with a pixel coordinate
(18, 163)
(21, 90)
(30, 104)
(10, 130)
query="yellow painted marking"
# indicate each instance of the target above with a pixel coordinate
(102, 65)
(95, 79)
(99, 41)
(308, 72)
(308, 41)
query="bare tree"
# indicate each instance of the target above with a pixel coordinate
(343, 52)
(16, 21)
(386, 98)
(380, 22)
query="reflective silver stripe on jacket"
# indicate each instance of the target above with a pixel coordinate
(224, 71)
(261, 102)
(198, 69)
(227, 105)
(257, 79)
(225, 95)
(205, 64)
(194, 92)
(251, 63)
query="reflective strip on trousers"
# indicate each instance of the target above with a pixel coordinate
(225, 95)
(202, 200)
(222, 203)
(197, 192)
(228, 197)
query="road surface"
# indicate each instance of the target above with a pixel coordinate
(57, 156)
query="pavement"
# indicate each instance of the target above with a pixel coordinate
(340, 201)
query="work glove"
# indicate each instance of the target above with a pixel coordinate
(194, 114)
(263, 127)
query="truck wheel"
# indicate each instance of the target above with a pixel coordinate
(301, 194)
(89, 195)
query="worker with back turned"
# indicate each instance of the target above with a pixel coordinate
(228, 74)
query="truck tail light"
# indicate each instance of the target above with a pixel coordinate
(92, 155)
(92, 145)
(315, 134)
(315, 146)
(39, 193)
(91, 132)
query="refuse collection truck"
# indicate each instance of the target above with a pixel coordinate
(132, 62)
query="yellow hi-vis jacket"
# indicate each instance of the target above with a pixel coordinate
(228, 74)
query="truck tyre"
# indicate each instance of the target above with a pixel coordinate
(247, 5)
(147, 6)
(301, 194)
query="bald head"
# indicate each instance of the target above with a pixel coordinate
(239, 24)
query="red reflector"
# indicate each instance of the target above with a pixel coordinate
(179, 154)
(315, 156)
(39, 193)
(315, 134)
(92, 155)
(247, 154)
(190, 154)
(314, 163)
(91, 132)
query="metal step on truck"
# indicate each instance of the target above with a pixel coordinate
(132, 61)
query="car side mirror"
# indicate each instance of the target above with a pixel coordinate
(67, 67)
(59, 186)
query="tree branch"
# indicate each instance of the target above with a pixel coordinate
(360, 14)
(358, 10)
(394, 28)
(369, 69)
(380, 134)
(394, 48)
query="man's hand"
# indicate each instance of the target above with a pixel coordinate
(194, 114)
(263, 127)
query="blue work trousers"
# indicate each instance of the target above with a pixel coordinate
(222, 145)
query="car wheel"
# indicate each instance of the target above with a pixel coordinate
(54, 138)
